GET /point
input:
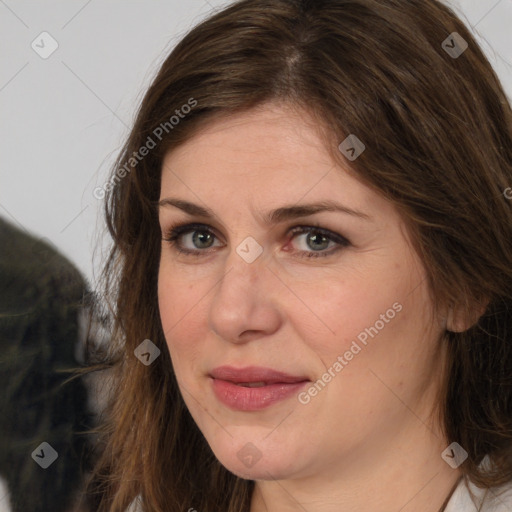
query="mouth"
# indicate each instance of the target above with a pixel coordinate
(251, 384)
(253, 388)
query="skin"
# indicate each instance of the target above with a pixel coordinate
(367, 440)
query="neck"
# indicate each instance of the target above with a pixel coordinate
(405, 474)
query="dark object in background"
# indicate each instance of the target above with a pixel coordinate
(41, 306)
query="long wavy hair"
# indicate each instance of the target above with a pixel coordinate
(437, 127)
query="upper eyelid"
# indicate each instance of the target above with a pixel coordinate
(188, 227)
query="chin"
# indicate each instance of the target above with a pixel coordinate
(247, 461)
(260, 471)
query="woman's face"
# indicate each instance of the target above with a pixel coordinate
(344, 312)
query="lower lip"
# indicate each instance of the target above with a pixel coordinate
(242, 398)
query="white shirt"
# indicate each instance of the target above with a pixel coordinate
(493, 500)
(496, 499)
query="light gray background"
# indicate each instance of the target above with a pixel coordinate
(64, 118)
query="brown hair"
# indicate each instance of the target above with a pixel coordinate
(438, 137)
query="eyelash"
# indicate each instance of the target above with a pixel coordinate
(175, 232)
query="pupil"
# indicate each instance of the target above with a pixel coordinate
(200, 237)
(317, 238)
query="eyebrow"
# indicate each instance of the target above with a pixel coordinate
(274, 216)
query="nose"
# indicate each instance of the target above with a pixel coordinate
(245, 304)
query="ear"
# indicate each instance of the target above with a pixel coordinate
(458, 319)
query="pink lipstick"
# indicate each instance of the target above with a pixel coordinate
(253, 388)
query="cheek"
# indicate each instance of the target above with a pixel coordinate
(391, 344)
(180, 307)
(179, 295)
(337, 310)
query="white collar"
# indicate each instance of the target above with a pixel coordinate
(496, 499)
(460, 501)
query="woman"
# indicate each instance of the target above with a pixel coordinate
(312, 268)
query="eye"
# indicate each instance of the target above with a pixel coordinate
(318, 239)
(201, 239)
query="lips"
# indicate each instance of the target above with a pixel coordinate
(254, 374)
(253, 388)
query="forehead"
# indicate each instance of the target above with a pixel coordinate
(267, 156)
(267, 133)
